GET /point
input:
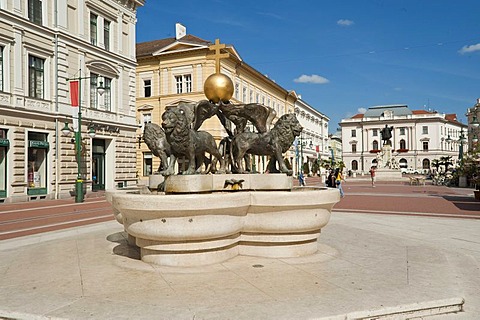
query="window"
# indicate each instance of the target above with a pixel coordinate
(425, 145)
(147, 88)
(403, 163)
(375, 132)
(251, 97)
(35, 77)
(35, 11)
(183, 83)
(402, 131)
(1, 69)
(354, 147)
(93, 29)
(93, 91)
(107, 95)
(375, 145)
(425, 129)
(106, 34)
(37, 163)
(257, 98)
(244, 95)
(426, 164)
(403, 145)
(354, 133)
(237, 90)
(147, 163)
(354, 165)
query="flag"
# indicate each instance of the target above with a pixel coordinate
(74, 93)
(74, 100)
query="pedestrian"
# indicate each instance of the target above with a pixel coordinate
(338, 181)
(330, 182)
(301, 179)
(372, 175)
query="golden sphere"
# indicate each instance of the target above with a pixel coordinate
(218, 87)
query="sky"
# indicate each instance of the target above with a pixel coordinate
(343, 56)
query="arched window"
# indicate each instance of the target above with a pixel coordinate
(375, 145)
(354, 165)
(374, 162)
(403, 145)
(426, 164)
(403, 163)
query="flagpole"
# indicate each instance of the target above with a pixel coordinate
(78, 144)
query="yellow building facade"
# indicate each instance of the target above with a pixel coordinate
(173, 70)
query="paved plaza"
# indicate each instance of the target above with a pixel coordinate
(368, 265)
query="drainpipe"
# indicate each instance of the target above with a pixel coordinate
(57, 130)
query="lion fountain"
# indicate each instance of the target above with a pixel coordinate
(211, 212)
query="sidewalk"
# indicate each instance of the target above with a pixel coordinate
(368, 265)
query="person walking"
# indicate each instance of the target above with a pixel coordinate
(372, 175)
(331, 179)
(338, 181)
(301, 179)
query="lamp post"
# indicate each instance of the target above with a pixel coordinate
(79, 197)
(461, 141)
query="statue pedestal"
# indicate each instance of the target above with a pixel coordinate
(386, 174)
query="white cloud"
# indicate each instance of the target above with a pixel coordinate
(345, 22)
(311, 79)
(362, 110)
(472, 48)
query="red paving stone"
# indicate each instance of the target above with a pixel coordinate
(34, 217)
(21, 219)
(402, 198)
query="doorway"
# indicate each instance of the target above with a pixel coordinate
(98, 164)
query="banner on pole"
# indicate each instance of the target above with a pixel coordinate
(74, 99)
(74, 93)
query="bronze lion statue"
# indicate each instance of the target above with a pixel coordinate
(272, 143)
(155, 139)
(188, 143)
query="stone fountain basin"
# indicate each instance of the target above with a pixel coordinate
(202, 229)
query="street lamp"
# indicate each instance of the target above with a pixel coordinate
(461, 141)
(78, 133)
(302, 144)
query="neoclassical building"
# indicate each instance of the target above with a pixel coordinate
(45, 46)
(418, 137)
(173, 70)
(314, 141)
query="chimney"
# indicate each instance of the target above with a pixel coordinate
(180, 31)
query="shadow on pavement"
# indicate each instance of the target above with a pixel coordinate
(123, 248)
(464, 203)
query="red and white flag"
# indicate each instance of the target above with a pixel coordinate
(74, 100)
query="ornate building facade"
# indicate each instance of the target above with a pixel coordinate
(313, 142)
(418, 137)
(44, 47)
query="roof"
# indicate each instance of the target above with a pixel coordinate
(145, 49)
(378, 111)
(422, 112)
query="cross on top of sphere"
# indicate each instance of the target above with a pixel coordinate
(217, 56)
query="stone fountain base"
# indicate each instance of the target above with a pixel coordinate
(206, 228)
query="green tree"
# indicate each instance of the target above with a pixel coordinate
(446, 162)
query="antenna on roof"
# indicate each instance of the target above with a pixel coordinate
(180, 31)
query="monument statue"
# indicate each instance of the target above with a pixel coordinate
(386, 134)
(273, 143)
(180, 136)
(199, 219)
